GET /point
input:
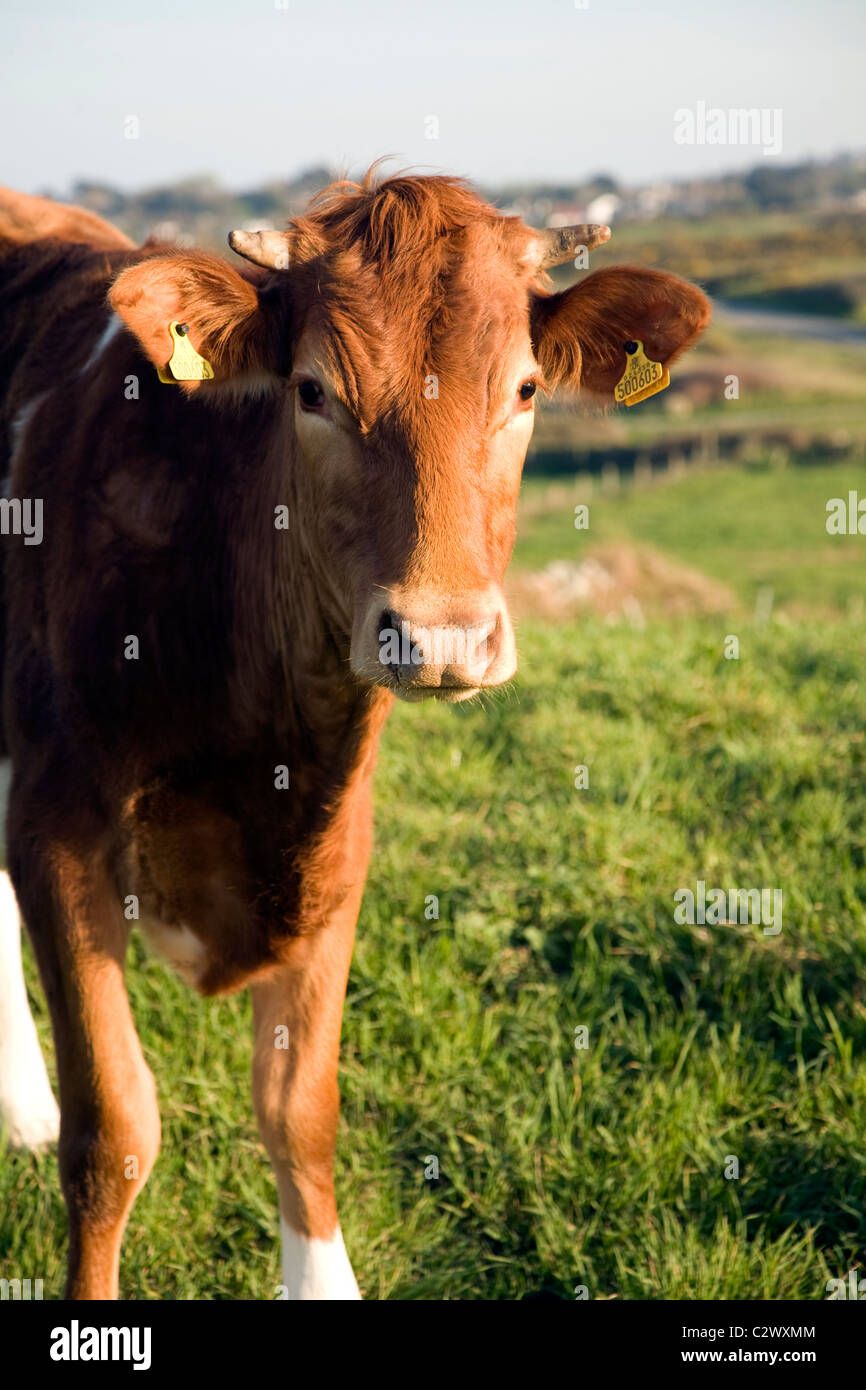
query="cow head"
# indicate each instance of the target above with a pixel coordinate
(408, 330)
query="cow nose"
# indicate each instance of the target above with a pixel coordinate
(420, 642)
(456, 655)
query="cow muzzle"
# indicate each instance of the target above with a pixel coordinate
(420, 648)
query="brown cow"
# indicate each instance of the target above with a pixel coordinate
(235, 577)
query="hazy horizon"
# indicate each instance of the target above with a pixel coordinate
(251, 93)
(394, 164)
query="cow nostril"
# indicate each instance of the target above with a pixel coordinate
(486, 636)
(389, 625)
(386, 622)
(389, 637)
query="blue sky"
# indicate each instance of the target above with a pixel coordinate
(246, 90)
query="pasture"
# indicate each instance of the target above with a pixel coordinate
(558, 1167)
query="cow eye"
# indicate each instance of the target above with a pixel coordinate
(526, 391)
(311, 394)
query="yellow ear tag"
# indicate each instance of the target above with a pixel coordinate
(185, 363)
(641, 378)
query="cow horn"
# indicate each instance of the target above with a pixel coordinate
(558, 244)
(269, 249)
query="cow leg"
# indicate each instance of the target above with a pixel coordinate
(297, 1014)
(109, 1126)
(28, 1111)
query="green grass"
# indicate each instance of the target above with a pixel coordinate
(558, 1167)
(751, 528)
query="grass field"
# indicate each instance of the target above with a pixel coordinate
(750, 528)
(604, 1166)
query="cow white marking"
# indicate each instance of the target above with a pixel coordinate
(316, 1269)
(28, 1110)
(184, 951)
(110, 331)
(19, 429)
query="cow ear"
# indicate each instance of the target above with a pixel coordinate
(580, 334)
(228, 323)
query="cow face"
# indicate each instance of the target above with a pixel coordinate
(410, 334)
(415, 454)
